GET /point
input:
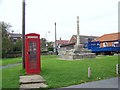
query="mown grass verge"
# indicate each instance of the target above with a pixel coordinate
(7, 61)
(60, 73)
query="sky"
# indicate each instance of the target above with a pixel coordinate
(96, 17)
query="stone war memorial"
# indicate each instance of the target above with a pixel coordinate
(78, 52)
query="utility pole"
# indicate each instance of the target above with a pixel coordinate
(55, 39)
(23, 34)
(78, 32)
(118, 30)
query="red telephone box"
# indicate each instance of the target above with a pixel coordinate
(32, 53)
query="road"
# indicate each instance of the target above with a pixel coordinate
(101, 84)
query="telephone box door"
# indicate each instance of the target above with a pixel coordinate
(32, 55)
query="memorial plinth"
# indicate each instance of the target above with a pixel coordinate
(76, 54)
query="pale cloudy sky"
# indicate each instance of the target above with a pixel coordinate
(97, 17)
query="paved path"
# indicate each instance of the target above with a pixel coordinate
(10, 65)
(108, 83)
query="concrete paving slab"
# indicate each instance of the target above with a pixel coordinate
(31, 79)
(35, 85)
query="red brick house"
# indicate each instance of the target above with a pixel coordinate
(61, 42)
(111, 39)
(83, 38)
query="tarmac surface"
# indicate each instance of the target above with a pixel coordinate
(106, 84)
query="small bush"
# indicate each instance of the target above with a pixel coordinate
(12, 54)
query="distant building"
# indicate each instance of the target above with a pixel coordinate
(112, 39)
(14, 37)
(43, 44)
(61, 42)
(83, 38)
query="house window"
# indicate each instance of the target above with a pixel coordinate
(105, 44)
(115, 44)
(14, 40)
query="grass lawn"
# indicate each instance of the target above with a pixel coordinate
(10, 77)
(60, 73)
(0, 78)
(7, 61)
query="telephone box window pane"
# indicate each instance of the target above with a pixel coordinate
(33, 46)
(33, 55)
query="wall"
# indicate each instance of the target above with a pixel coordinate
(108, 44)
